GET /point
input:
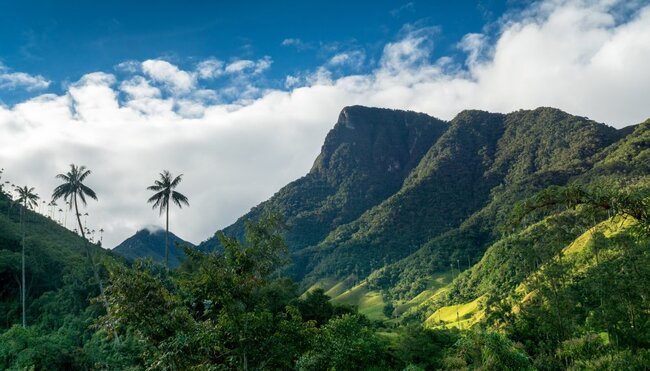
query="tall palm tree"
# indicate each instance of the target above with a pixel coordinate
(164, 188)
(52, 206)
(28, 200)
(71, 190)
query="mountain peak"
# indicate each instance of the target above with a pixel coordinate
(150, 242)
(364, 159)
(149, 230)
(377, 139)
(352, 116)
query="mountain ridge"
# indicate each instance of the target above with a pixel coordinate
(344, 180)
(478, 154)
(391, 185)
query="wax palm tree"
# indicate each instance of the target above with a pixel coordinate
(164, 188)
(28, 200)
(53, 206)
(71, 190)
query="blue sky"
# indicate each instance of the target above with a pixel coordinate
(63, 40)
(239, 98)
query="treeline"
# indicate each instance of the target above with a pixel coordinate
(229, 311)
(567, 291)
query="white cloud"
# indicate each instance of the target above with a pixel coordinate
(138, 87)
(175, 79)
(474, 45)
(239, 66)
(21, 80)
(210, 68)
(291, 42)
(297, 43)
(263, 64)
(291, 81)
(247, 65)
(129, 66)
(353, 59)
(408, 7)
(583, 57)
(414, 49)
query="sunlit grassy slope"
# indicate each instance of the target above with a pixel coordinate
(463, 315)
(437, 285)
(460, 315)
(369, 302)
(580, 251)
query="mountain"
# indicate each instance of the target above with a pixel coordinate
(396, 196)
(389, 183)
(365, 159)
(151, 244)
(623, 162)
(527, 232)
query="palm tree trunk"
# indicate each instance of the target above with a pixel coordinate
(90, 256)
(167, 239)
(22, 288)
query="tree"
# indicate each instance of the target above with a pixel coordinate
(628, 202)
(28, 200)
(164, 188)
(423, 347)
(485, 350)
(345, 343)
(216, 309)
(71, 190)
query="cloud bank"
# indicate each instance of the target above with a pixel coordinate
(238, 145)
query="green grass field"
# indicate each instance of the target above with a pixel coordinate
(459, 315)
(437, 285)
(370, 303)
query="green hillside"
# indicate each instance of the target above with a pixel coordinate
(61, 296)
(55, 257)
(624, 163)
(368, 302)
(452, 202)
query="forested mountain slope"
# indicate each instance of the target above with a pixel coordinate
(451, 203)
(624, 162)
(365, 159)
(54, 256)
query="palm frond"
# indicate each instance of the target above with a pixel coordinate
(176, 181)
(180, 199)
(83, 173)
(88, 192)
(82, 197)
